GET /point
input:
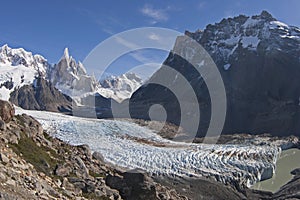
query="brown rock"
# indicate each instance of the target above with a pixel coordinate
(82, 169)
(35, 128)
(11, 182)
(98, 156)
(7, 111)
(3, 158)
(85, 149)
(2, 125)
(62, 170)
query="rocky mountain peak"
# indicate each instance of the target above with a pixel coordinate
(223, 39)
(70, 76)
(266, 15)
(66, 54)
(20, 56)
(258, 58)
(120, 87)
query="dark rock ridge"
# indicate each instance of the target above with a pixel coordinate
(258, 59)
(41, 95)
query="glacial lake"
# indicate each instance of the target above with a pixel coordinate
(288, 161)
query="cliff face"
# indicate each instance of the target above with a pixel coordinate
(258, 59)
(41, 95)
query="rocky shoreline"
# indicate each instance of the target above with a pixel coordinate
(34, 165)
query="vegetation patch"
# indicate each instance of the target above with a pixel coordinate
(42, 158)
(96, 175)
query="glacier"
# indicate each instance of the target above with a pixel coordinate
(128, 145)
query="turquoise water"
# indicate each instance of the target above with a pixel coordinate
(288, 161)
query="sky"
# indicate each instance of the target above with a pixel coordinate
(46, 27)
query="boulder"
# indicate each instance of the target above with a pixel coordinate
(133, 185)
(62, 170)
(296, 172)
(98, 156)
(7, 111)
(2, 125)
(35, 128)
(85, 149)
(3, 158)
(82, 170)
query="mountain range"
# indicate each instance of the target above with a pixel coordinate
(257, 57)
(258, 60)
(21, 68)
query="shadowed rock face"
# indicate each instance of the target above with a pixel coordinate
(41, 96)
(258, 59)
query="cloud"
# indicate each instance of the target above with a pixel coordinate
(105, 22)
(137, 55)
(158, 15)
(126, 43)
(153, 36)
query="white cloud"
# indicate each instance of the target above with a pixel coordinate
(138, 55)
(158, 15)
(126, 43)
(153, 36)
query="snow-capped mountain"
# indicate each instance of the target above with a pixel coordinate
(17, 57)
(70, 77)
(260, 32)
(258, 59)
(120, 87)
(19, 67)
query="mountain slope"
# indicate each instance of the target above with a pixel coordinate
(41, 95)
(18, 68)
(258, 58)
(120, 87)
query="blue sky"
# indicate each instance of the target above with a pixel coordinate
(47, 27)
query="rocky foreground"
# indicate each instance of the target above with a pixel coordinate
(34, 165)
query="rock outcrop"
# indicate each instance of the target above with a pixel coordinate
(7, 111)
(71, 77)
(41, 95)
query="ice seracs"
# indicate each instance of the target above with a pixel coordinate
(123, 144)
